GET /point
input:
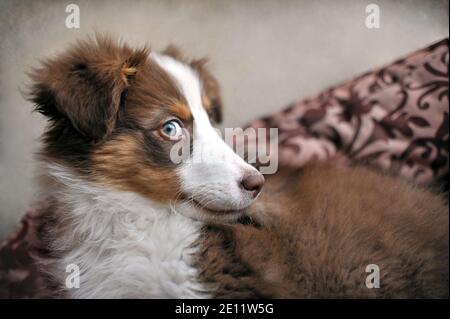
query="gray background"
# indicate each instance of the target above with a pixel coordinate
(264, 53)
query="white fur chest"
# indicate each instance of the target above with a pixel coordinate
(124, 245)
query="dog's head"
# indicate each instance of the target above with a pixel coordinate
(119, 116)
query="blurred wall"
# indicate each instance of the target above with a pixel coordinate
(265, 54)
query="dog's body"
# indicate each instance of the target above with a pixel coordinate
(326, 226)
(137, 224)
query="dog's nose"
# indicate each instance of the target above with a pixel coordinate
(253, 183)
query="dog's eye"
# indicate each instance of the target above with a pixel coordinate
(172, 130)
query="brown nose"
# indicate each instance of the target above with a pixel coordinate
(253, 183)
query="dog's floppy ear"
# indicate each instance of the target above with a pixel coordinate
(85, 86)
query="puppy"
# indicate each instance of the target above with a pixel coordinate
(139, 224)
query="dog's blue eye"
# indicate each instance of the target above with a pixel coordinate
(172, 130)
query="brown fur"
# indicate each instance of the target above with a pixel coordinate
(321, 227)
(85, 85)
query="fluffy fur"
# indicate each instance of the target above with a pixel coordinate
(321, 227)
(124, 244)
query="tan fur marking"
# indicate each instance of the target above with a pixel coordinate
(121, 163)
(206, 103)
(128, 72)
(181, 111)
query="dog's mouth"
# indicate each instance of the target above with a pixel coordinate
(230, 216)
(217, 212)
(212, 212)
(198, 211)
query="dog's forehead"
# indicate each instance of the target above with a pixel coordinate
(185, 78)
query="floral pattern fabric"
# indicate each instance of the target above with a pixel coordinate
(395, 118)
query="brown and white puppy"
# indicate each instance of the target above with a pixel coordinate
(135, 222)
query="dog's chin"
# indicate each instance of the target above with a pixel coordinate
(213, 216)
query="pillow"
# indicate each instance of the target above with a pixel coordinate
(395, 118)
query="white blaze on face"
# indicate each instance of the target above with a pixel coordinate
(213, 175)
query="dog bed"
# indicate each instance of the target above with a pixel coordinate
(395, 118)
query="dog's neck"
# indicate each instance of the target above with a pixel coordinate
(114, 235)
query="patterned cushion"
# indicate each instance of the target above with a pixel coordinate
(19, 277)
(395, 118)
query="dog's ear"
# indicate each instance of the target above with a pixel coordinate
(85, 86)
(211, 100)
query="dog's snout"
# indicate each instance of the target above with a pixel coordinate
(253, 183)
